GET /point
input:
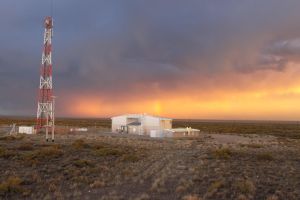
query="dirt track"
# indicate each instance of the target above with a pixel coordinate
(108, 166)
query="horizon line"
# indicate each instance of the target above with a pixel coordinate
(186, 119)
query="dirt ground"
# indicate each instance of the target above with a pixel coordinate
(110, 166)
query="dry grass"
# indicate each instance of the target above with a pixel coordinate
(215, 185)
(180, 189)
(107, 151)
(222, 153)
(253, 145)
(265, 156)
(11, 185)
(83, 163)
(272, 197)
(242, 197)
(44, 153)
(4, 153)
(48, 152)
(13, 137)
(213, 188)
(191, 197)
(183, 185)
(79, 144)
(245, 186)
(97, 184)
(143, 196)
(158, 185)
(132, 167)
(25, 147)
(130, 158)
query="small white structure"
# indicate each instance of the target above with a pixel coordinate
(78, 129)
(26, 129)
(182, 132)
(141, 124)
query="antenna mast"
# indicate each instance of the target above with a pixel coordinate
(45, 109)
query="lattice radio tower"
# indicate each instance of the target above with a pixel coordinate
(45, 109)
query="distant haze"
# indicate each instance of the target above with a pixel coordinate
(183, 59)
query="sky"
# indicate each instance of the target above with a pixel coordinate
(199, 59)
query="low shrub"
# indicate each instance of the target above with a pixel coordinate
(25, 147)
(158, 184)
(108, 151)
(191, 197)
(265, 157)
(44, 153)
(255, 146)
(245, 186)
(83, 163)
(13, 137)
(79, 144)
(215, 185)
(130, 158)
(4, 153)
(11, 185)
(97, 184)
(223, 153)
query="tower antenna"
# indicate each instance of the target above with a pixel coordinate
(51, 7)
(45, 108)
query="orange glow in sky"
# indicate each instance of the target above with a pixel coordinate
(276, 97)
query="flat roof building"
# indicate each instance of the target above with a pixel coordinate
(141, 124)
(182, 132)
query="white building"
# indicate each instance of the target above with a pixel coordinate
(182, 132)
(141, 124)
(26, 129)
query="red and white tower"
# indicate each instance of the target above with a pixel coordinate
(45, 109)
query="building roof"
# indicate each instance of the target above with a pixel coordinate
(134, 124)
(141, 115)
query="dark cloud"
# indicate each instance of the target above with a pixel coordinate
(286, 48)
(278, 54)
(124, 47)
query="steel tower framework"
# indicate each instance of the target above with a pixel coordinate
(45, 109)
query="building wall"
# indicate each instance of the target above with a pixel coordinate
(150, 123)
(117, 122)
(135, 130)
(166, 124)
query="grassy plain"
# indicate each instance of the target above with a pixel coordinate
(277, 128)
(263, 165)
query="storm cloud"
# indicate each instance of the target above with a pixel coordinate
(120, 49)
